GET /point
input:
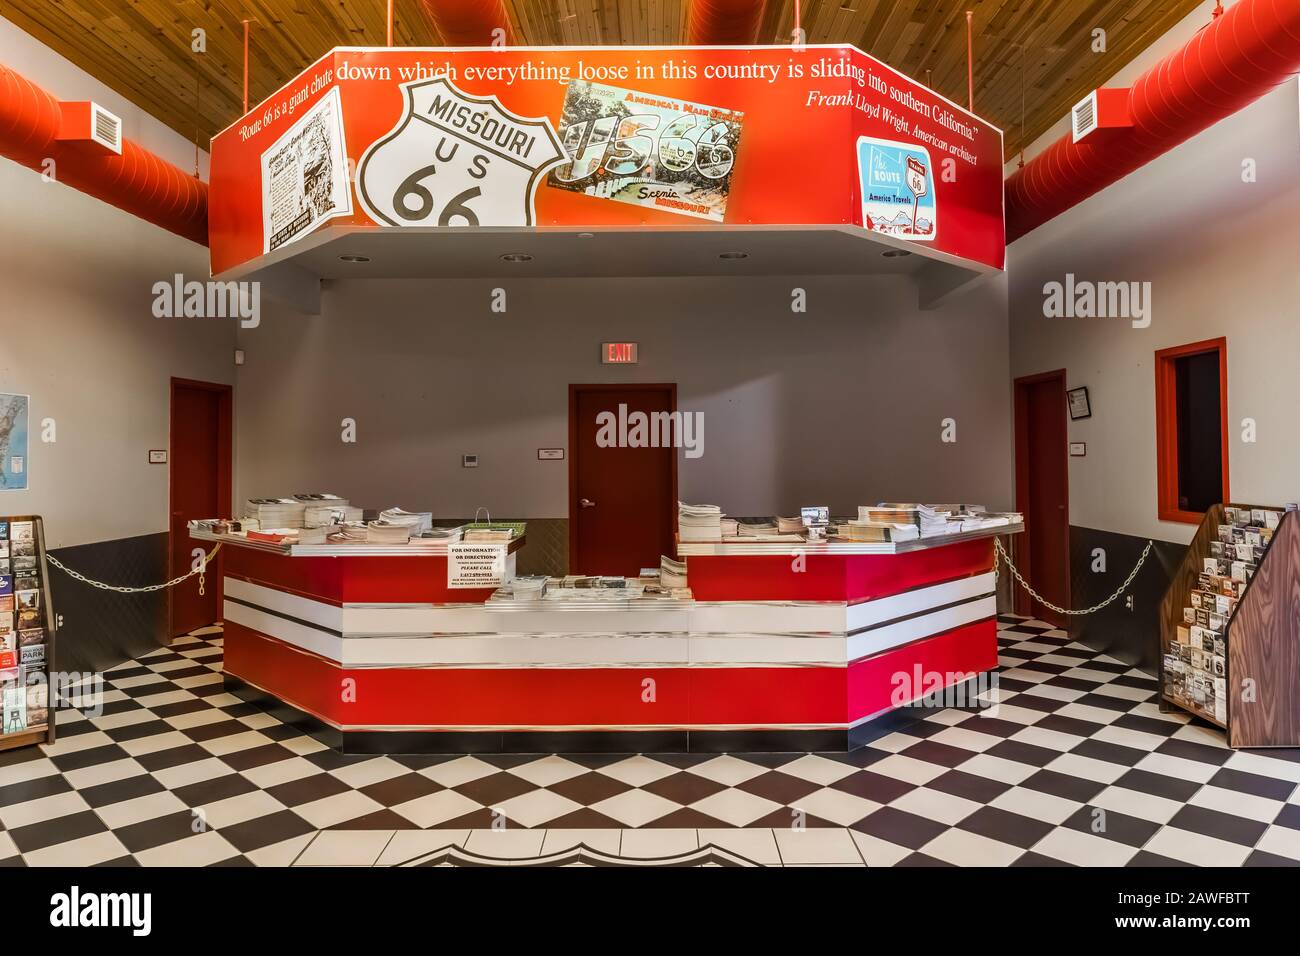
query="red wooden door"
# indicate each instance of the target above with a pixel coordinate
(1042, 490)
(622, 500)
(200, 488)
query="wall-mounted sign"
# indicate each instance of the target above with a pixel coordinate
(1080, 407)
(476, 565)
(157, 456)
(579, 137)
(469, 461)
(550, 454)
(1078, 449)
(618, 353)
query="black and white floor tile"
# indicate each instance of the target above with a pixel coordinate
(1076, 767)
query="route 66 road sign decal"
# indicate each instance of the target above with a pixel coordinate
(456, 160)
(916, 176)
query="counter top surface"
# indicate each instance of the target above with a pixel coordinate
(741, 547)
(413, 549)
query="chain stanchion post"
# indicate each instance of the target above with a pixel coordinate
(1000, 556)
(201, 570)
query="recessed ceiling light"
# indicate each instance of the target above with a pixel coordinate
(354, 258)
(733, 255)
(516, 257)
(895, 253)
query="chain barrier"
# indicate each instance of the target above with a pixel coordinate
(119, 589)
(1000, 555)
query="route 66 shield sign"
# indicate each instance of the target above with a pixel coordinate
(456, 160)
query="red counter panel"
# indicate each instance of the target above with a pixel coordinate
(833, 577)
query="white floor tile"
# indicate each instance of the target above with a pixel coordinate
(505, 844)
(345, 848)
(658, 842)
(816, 845)
(86, 851)
(1196, 848)
(970, 849)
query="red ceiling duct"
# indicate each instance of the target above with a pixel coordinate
(136, 181)
(1233, 61)
(469, 22)
(724, 22)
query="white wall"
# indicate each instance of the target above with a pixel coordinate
(1221, 255)
(839, 406)
(77, 332)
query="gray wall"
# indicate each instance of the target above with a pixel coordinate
(1221, 255)
(839, 406)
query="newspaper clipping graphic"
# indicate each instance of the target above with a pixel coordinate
(648, 150)
(305, 175)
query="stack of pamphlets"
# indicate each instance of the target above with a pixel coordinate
(766, 530)
(529, 587)
(672, 574)
(321, 498)
(699, 522)
(276, 512)
(351, 533)
(417, 521)
(928, 520)
(386, 532)
(730, 527)
(321, 516)
(789, 525)
(880, 531)
(445, 535)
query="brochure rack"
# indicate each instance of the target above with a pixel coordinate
(1262, 637)
(26, 698)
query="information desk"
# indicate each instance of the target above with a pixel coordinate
(812, 648)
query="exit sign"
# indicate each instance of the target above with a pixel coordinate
(618, 353)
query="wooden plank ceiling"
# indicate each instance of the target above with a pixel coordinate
(1033, 58)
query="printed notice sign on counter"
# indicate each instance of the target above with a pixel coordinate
(476, 565)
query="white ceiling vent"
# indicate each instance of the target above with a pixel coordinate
(88, 126)
(106, 129)
(1084, 116)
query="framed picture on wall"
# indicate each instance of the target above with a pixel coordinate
(1080, 407)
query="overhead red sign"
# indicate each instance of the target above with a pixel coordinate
(606, 136)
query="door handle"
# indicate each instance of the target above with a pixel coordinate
(586, 503)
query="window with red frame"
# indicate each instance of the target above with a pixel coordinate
(1191, 429)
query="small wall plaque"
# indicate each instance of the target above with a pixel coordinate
(157, 456)
(1078, 449)
(1080, 407)
(550, 454)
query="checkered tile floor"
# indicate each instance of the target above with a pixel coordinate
(1076, 767)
